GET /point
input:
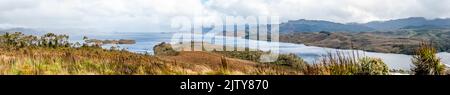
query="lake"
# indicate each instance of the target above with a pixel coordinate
(146, 41)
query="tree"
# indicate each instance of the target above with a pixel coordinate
(48, 40)
(77, 44)
(62, 41)
(85, 38)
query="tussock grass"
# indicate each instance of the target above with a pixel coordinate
(79, 61)
(347, 64)
(426, 61)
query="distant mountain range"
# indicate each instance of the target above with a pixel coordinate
(303, 25)
(318, 25)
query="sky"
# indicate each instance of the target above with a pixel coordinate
(155, 15)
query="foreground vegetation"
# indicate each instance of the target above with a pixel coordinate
(52, 54)
(333, 64)
(426, 62)
(342, 64)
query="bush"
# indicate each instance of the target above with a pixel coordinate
(245, 55)
(373, 66)
(165, 49)
(426, 62)
(346, 64)
(290, 60)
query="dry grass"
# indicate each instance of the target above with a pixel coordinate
(78, 61)
(96, 61)
(210, 63)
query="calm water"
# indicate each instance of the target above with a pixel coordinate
(146, 41)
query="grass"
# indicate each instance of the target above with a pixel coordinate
(347, 64)
(426, 61)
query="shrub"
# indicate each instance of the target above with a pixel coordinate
(165, 49)
(291, 60)
(373, 66)
(426, 62)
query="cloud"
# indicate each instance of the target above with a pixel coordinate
(101, 15)
(336, 10)
(155, 15)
